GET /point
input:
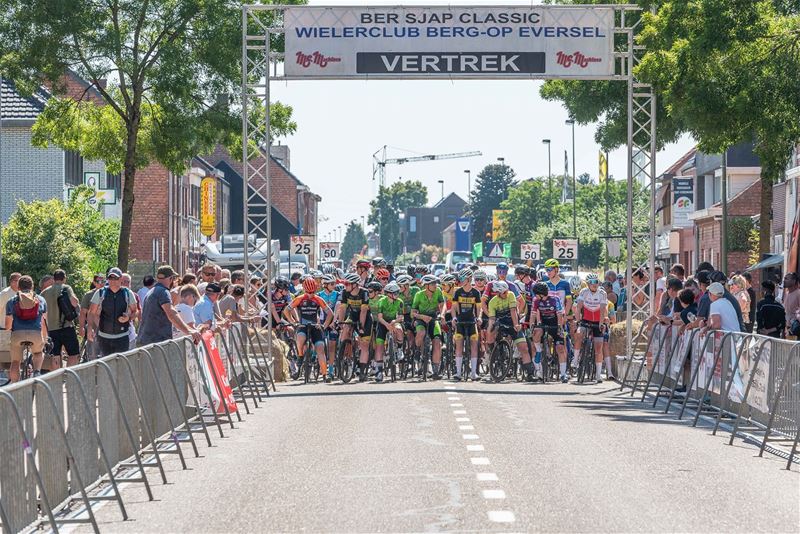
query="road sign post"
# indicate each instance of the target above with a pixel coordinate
(566, 250)
(329, 251)
(530, 251)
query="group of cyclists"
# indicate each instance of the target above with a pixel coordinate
(361, 322)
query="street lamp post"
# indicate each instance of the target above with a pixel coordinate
(441, 212)
(549, 181)
(571, 122)
(469, 183)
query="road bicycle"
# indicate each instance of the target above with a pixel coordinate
(310, 364)
(347, 353)
(502, 353)
(586, 367)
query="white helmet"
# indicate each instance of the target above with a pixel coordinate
(391, 287)
(500, 286)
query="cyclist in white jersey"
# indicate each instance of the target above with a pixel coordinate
(592, 309)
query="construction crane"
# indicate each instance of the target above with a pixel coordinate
(380, 163)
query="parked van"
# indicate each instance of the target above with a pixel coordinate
(457, 259)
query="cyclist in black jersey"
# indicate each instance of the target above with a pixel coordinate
(466, 309)
(354, 314)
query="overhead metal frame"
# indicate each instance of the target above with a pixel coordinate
(261, 24)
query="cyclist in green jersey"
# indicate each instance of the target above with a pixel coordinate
(502, 309)
(407, 293)
(390, 320)
(426, 309)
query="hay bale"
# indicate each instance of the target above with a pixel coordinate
(618, 340)
(280, 362)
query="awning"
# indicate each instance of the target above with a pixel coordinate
(772, 261)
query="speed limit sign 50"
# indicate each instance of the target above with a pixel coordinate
(565, 249)
(329, 251)
(530, 251)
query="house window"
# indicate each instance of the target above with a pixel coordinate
(73, 168)
(717, 181)
(436, 219)
(412, 224)
(114, 181)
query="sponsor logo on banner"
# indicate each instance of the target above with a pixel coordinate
(216, 375)
(575, 59)
(463, 226)
(316, 58)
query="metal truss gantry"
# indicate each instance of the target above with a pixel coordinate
(263, 33)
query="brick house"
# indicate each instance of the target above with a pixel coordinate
(29, 173)
(294, 205)
(426, 226)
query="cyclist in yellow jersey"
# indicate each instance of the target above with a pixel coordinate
(502, 309)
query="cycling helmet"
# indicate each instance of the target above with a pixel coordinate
(328, 269)
(316, 274)
(339, 288)
(540, 288)
(522, 270)
(328, 279)
(491, 277)
(375, 286)
(473, 267)
(500, 286)
(502, 266)
(464, 274)
(379, 262)
(363, 263)
(575, 283)
(282, 283)
(552, 262)
(448, 279)
(392, 288)
(480, 275)
(310, 285)
(339, 272)
(429, 279)
(352, 278)
(592, 278)
(382, 273)
(411, 269)
(421, 269)
(403, 280)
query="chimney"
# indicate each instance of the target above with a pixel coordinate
(281, 153)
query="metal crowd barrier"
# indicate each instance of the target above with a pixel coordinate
(71, 437)
(749, 380)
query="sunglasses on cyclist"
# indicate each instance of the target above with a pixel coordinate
(548, 269)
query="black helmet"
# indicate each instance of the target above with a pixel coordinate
(421, 269)
(281, 283)
(378, 262)
(522, 270)
(375, 286)
(540, 288)
(411, 269)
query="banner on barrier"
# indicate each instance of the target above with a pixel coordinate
(684, 345)
(757, 398)
(218, 369)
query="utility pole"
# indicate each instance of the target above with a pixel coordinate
(469, 183)
(571, 122)
(605, 192)
(723, 253)
(549, 182)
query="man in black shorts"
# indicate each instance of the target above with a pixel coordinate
(62, 310)
(466, 301)
(354, 313)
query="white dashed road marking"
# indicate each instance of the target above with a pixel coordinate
(501, 516)
(474, 448)
(479, 461)
(470, 436)
(494, 494)
(486, 477)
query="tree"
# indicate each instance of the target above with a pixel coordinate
(584, 179)
(174, 65)
(385, 212)
(721, 68)
(41, 237)
(719, 72)
(491, 188)
(530, 206)
(353, 243)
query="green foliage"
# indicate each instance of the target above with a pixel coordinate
(530, 218)
(353, 243)
(41, 237)
(739, 230)
(385, 212)
(425, 255)
(491, 188)
(174, 75)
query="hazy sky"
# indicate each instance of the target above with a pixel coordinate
(342, 123)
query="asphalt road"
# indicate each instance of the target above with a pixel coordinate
(439, 456)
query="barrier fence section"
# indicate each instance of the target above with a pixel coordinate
(749, 380)
(70, 437)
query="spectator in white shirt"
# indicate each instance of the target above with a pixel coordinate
(722, 315)
(189, 296)
(7, 294)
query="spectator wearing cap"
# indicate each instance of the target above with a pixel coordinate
(722, 315)
(110, 313)
(147, 284)
(205, 315)
(158, 313)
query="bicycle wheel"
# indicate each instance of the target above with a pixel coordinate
(295, 362)
(545, 358)
(583, 370)
(500, 361)
(307, 363)
(389, 358)
(345, 364)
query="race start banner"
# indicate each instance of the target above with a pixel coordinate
(449, 41)
(218, 369)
